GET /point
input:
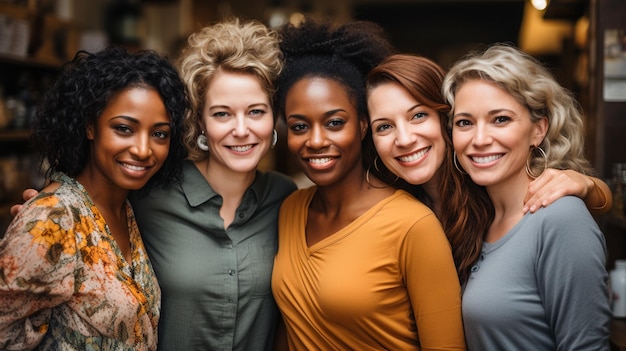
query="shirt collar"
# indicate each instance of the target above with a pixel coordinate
(198, 190)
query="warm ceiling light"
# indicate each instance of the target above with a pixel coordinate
(540, 4)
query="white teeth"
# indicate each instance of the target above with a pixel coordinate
(134, 168)
(319, 161)
(414, 156)
(241, 148)
(486, 159)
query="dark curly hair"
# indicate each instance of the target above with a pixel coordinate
(82, 91)
(344, 53)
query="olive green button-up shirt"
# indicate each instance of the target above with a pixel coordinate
(215, 282)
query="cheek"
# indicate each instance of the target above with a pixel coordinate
(294, 143)
(382, 145)
(161, 151)
(266, 131)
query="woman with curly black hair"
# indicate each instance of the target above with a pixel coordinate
(360, 265)
(74, 271)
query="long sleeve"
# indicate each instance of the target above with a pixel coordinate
(433, 286)
(36, 272)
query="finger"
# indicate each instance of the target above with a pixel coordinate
(29, 194)
(15, 209)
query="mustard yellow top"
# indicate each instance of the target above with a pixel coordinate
(385, 281)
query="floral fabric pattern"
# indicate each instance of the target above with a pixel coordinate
(64, 283)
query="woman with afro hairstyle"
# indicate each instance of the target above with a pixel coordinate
(74, 274)
(360, 265)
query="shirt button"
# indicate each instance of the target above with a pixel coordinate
(229, 246)
(231, 271)
(241, 215)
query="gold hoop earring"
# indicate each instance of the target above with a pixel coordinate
(375, 165)
(456, 165)
(529, 159)
(367, 179)
(381, 172)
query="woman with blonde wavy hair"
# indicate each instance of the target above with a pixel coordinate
(540, 280)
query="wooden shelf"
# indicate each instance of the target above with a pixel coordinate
(30, 62)
(10, 135)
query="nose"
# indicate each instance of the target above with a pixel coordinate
(482, 135)
(241, 127)
(141, 148)
(317, 139)
(404, 137)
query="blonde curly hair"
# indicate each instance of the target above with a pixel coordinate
(231, 45)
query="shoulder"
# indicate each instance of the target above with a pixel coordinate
(565, 209)
(403, 203)
(274, 184)
(279, 179)
(568, 216)
(299, 196)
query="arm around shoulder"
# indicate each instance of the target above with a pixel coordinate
(599, 199)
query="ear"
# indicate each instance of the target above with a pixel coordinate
(541, 129)
(90, 132)
(364, 125)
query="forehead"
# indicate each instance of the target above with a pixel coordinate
(315, 90)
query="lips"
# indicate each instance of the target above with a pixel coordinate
(319, 160)
(414, 156)
(486, 159)
(134, 167)
(241, 148)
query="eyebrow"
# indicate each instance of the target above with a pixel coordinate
(229, 107)
(136, 121)
(326, 114)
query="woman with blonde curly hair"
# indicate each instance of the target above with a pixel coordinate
(212, 238)
(540, 280)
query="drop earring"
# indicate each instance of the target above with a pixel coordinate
(202, 142)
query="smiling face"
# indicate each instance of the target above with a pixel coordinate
(130, 139)
(238, 121)
(324, 130)
(406, 133)
(493, 133)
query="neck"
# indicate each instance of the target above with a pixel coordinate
(508, 200)
(106, 196)
(225, 181)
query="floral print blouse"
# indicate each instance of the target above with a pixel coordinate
(64, 283)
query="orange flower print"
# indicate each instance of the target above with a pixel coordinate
(47, 201)
(8, 268)
(93, 255)
(46, 233)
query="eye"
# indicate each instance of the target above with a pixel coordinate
(298, 127)
(462, 123)
(382, 127)
(419, 115)
(220, 114)
(122, 128)
(501, 119)
(335, 123)
(257, 112)
(161, 134)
